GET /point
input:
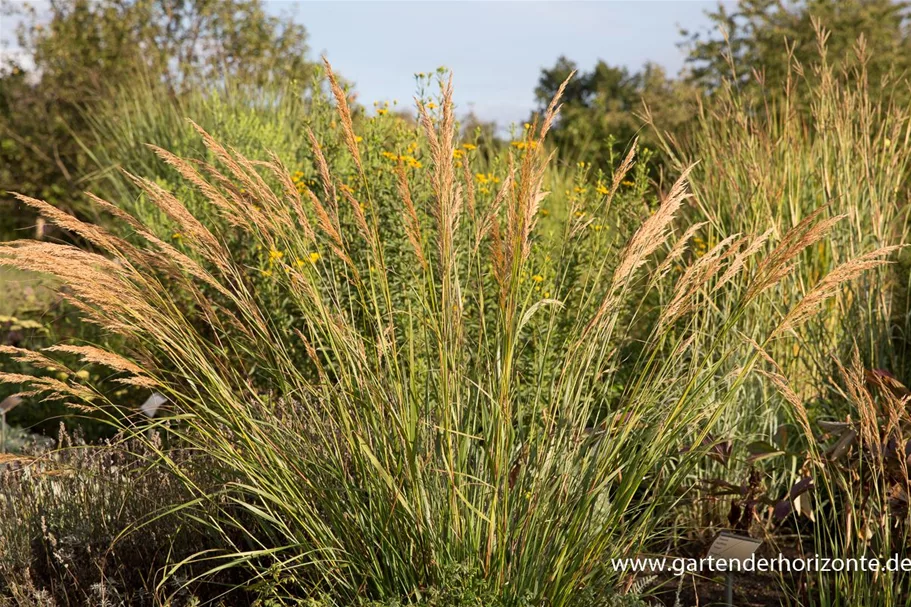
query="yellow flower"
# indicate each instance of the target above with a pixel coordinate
(601, 189)
(628, 183)
(431, 106)
(275, 255)
(382, 112)
(314, 257)
(469, 146)
(457, 154)
(524, 145)
(176, 235)
(527, 126)
(266, 272)
(579, 190)
(579, 214)
(537, 278)
(358, 138)
(83, 374)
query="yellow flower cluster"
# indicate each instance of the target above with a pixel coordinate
(408, 159)
(382, 108)
(524, 145)
(275, 256)
(466, 148)
(300, 182)
(485, 179)
(537, 279)
(462, 152)
(312, 258)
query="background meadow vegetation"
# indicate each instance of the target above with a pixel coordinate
(406, 358)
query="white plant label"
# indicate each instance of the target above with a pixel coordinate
(730, 547)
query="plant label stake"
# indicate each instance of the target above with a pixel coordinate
(152, 404)
(730, 547)
(6, 405)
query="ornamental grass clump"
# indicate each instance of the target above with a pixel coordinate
(445, 415)
(828, 134)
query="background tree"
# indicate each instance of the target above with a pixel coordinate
(753, 35)
(603, 109)
(85, 49)
(480, 132)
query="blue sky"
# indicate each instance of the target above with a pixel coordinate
(496, 50)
